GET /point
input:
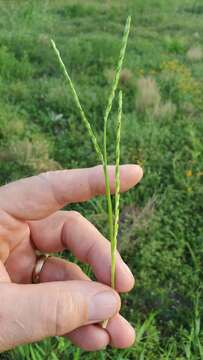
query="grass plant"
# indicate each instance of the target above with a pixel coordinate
(113, 215)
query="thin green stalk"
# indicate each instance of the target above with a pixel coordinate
(78, 104)
(106, 116)
(117, 201)
(113, 218)
(117, 194)
(77, 354)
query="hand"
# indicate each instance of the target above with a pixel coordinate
(65, 302)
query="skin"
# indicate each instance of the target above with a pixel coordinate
(65, 302)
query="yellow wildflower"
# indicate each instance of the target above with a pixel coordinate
(189, 173)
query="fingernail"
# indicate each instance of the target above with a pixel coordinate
(139, 170)
(103, 306)
(127, 270)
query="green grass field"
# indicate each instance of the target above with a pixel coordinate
(161, 231)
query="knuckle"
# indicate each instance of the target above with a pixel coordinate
(74, 217)
(72, 221)
(46, 179)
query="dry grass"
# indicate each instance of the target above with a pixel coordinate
(34, 154)
(133, 219)
(126, 76)
(195, 54)
(166, 110)
(148, 95)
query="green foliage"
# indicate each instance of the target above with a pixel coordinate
(13, 68)
(161, 226)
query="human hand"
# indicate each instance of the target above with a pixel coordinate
(65, 302)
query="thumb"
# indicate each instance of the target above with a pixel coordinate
(30, 313)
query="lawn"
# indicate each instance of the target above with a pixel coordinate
(161, 225)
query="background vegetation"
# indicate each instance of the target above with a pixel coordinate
(161, 234)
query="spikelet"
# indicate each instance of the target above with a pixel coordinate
(78, 104)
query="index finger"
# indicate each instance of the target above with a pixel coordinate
(39, 196)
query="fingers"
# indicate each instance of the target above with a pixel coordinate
(89, 246)
(72, 231)
(90, 337)
(38, 196)
(21, 262)
(122, 334)
(4, 277)
(32, 312)
(56, 269)
(119, 332)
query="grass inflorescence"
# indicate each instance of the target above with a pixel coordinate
(113, 215)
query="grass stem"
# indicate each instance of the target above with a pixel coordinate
(117, 194)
